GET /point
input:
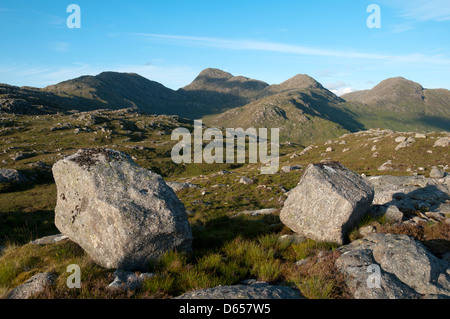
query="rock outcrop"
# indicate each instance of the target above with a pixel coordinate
(119, 213)
(327, 202)
(406, 268)
(411, 193)
(253, 291)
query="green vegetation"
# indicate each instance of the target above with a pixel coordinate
(227, 249)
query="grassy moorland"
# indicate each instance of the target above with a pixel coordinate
(227, 249)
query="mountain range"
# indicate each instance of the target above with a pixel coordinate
(301, 107)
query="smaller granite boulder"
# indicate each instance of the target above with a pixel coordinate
(328, 201)
(35, 285)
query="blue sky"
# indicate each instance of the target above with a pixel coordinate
(172, 41)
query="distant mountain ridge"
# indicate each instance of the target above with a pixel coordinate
(301, 107)
(401, 104)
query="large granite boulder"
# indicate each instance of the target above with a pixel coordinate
(121, 214)
(328, 201)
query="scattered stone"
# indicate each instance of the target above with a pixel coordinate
(288, 168)
(345, 150)
(400, 139)
(22, 155)
(223, 172)
(251, 281)
(176, 186)
(47, 240)
(402, 145)
(259, 212)
(329, 149)
(35, 285)
(292, 238)
(437, 173)
(390, 212)
(252, 291)
(435, 216)
(119, 213)
(306, 150)
(420, 135)
(367, 230)
(301, 262)
(126, 280)
(13, 176)
(246, 181)
(387, 166)
(328, 201)
(418, 219)
(442, 142)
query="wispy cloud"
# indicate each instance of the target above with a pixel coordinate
(60, 46)
(252, 45)
(399, 28)
(339, 88)
(237, 44)
(6, 10)
(426, 10)
(416, 11)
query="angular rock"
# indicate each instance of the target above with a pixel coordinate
(246, 181)
(442, 142)
(293, 239)
(49, 239)
(356, 264)
(177, 186)
(402, 145)
(407, 267)
(119, 213)
(367, 230)
(387, 166)
(253, 291)
(390, 212)
(437, 173)
(328, 201)
(259, 212)
(36, 284)
(127, 280)
(8, 175)
(286, 169)
(409, 192)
